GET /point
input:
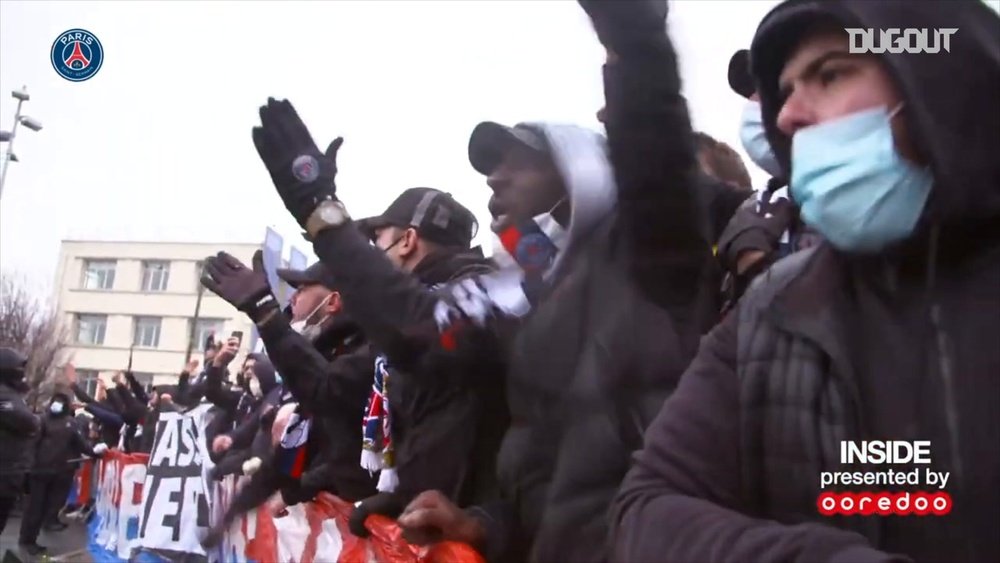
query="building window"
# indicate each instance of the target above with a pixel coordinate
(155, 275)
(203, 328)
(99, 274)
(147, 332)
(87, 380)
(90, 329)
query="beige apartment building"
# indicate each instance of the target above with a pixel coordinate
(117, 296)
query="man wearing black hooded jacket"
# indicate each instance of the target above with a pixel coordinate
(613, 315)
(886, 331)
(445, 431)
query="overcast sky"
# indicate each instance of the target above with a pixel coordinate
(157, 145)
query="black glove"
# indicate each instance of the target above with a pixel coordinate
(628, 27)
(302, 175)
(386, 504)
(749, 230)
(245, 289)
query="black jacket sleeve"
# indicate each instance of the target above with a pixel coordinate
(384, 301)
(681, 501)
(183, 389)
(81, 395)
(498, 520)
(244, 434)
(223, 398)
(318, 384)
(15, 414)
(80, 445)
(132, 409)
(115, 400)
(652, 150)
(136, 388)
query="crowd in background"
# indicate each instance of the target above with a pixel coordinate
(657, 361)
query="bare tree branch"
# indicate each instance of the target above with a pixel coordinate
(33, 328)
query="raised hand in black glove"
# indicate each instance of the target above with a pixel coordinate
(244, 288)
(303, 175)
(386, 504)
(628, 26)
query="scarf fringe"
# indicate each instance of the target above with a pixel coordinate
(371, 461)
(388, 480)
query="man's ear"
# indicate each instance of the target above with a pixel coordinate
(408, 246)
(335, 304)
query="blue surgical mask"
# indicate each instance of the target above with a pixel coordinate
(755, 140)
(852, 185)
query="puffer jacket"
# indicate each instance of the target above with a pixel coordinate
(829, 346)
(18, 429)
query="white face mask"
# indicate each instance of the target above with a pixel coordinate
(547, 224)
(56, 408)
(755, 141)
(255, 387)
(308, 329)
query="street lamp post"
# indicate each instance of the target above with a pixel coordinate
(21, 96)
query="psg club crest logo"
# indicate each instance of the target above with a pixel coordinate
(77, 55)
(534, 252)
(305, 168)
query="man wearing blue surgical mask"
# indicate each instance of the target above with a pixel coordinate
(52, 474)
(887, 330)
(767, 228)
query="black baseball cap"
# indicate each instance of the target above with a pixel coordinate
(740, 79)
(490, 142)
(315, 274)
(435, 215)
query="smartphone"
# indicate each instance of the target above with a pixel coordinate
(238, 335)
(209, 342)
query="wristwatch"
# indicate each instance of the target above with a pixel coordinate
(329, 214)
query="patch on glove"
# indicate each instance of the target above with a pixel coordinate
(305, 168)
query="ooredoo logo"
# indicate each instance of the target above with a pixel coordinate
(77, 55)
(885, 503)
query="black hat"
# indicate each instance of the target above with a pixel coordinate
(11, 359)
(435, 215)
(490, 142)
(315, 274)
(740, 79)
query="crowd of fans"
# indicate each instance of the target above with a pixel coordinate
(657, 362)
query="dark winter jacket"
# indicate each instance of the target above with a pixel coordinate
(581, 385)
(595, 360)
(109, 421)
(828, 347)
(429, 404)
(59, 441)
(334, 445)
(190, 394)
(246, 432)
(18, 431)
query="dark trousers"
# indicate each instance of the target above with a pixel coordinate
(6, 504)
(47, 493)
(62, 486)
